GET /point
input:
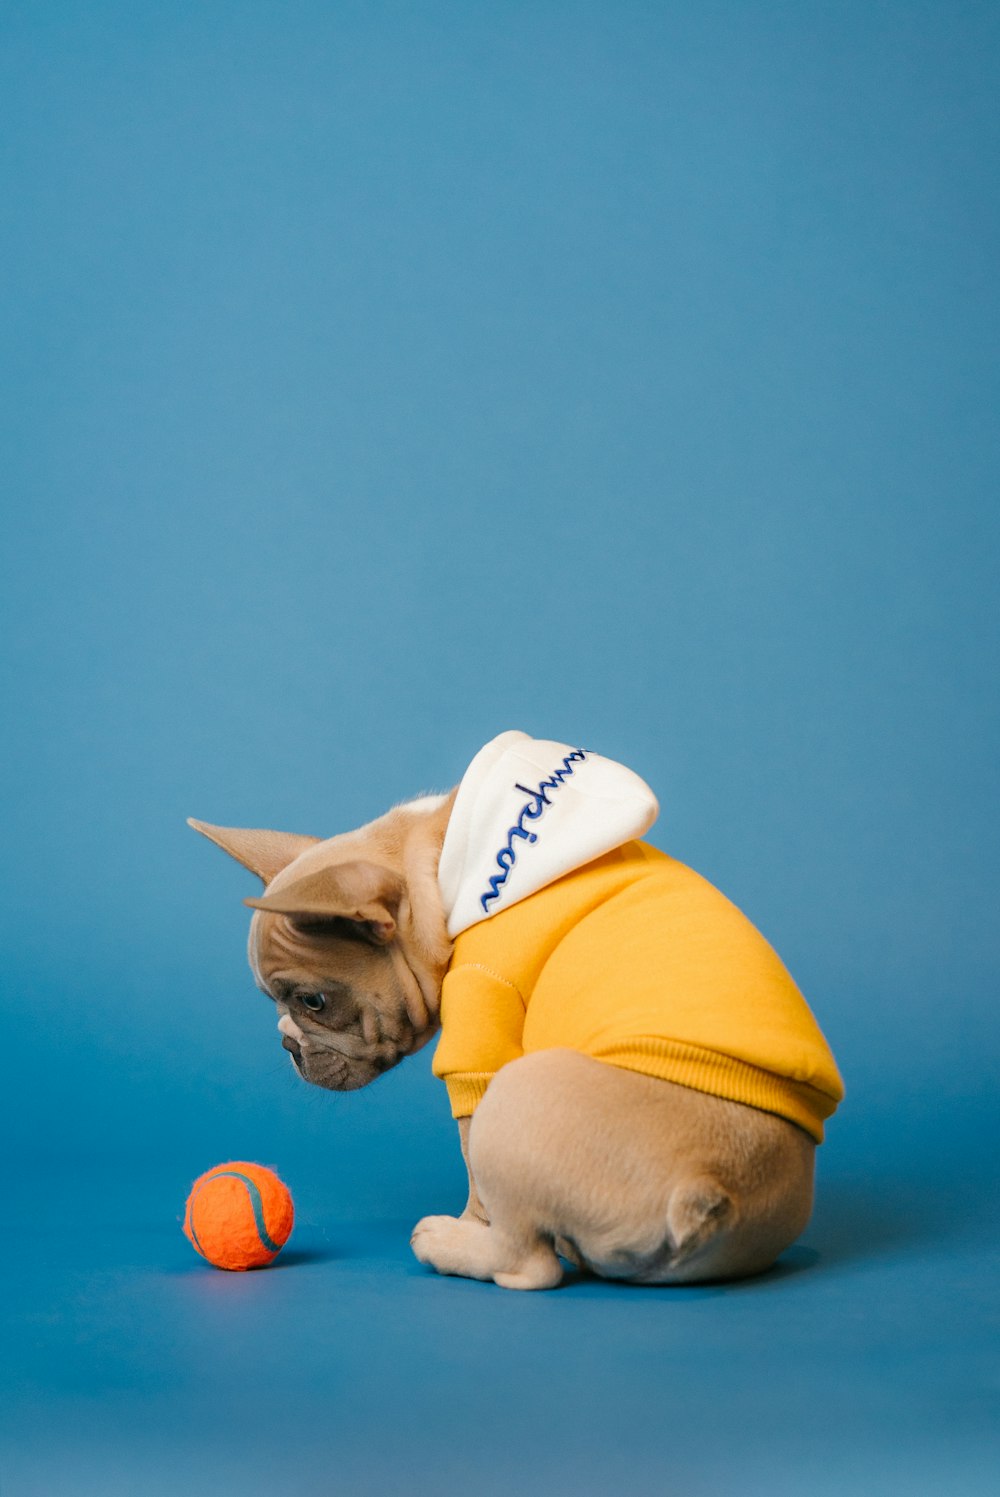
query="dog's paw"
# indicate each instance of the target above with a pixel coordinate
(453, 1245)
(458, 1245)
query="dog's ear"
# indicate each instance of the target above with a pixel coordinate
(363, 892)
(264, 853)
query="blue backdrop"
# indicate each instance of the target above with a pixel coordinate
(382, 376)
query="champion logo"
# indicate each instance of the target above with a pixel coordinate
(532, 809)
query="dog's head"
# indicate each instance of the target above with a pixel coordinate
(348, 939)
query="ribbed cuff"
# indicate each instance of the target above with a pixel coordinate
(466, 1090)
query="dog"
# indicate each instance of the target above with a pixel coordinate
(638, 1084)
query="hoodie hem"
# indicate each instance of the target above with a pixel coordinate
(724, 1077)
(702, 1070)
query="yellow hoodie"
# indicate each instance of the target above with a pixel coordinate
(638, 961)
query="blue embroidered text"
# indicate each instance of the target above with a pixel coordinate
(530, 811)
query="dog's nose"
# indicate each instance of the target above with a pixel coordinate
(291, 1038)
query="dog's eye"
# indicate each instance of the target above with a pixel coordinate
(315, 1001)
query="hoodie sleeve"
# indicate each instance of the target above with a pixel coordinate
(482, 1023)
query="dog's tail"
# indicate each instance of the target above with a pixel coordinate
(698, 1210)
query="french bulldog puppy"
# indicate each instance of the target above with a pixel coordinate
(612, 1163)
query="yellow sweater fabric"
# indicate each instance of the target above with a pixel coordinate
(638, 961)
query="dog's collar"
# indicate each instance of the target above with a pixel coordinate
(528, 811)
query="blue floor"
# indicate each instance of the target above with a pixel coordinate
(866, 1362)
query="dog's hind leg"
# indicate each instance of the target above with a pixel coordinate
(514, 1260)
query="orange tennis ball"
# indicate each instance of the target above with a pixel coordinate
(239, 1215)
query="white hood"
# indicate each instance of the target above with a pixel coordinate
(527, 811)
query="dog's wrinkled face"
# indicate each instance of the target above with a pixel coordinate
(349, 939)
(345, 998)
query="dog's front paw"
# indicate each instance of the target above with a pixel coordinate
(453, 1245)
